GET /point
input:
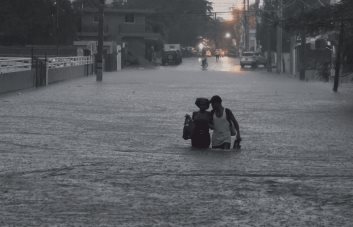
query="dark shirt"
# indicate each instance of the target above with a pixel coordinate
(201, 122)
(200, 137)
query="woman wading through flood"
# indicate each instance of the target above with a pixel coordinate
(197, 127)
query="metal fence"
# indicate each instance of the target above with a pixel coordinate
(14, 64)
(61, 62)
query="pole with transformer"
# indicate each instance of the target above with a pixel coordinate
(99, 59)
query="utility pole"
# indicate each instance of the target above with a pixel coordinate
(338, 58)
(302, 50)
(216, 31)
(279, 35)
(269, 27)
(246, 24)
(57, 27)
(99, 60)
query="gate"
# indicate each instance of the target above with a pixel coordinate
(40, 70)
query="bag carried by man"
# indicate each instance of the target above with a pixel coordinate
(233, 131)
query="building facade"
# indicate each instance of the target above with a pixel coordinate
(126, 27)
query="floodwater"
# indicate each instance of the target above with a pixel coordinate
(82, 153)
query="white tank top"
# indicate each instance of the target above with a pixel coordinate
(221, 132)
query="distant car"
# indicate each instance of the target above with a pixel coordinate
(217, 52)
(171, 57)
(260, 59)
(253, 59)
(248, 58)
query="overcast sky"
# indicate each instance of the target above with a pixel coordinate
(222, 6)
(225, 5)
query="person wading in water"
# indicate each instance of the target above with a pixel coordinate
(222, 120)
(200, 132)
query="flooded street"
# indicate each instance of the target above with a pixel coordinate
(82, 153)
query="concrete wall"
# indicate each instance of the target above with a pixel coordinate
(16, 81)
(67, 73)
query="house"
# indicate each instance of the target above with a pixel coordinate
(319, 52)
(126, 27)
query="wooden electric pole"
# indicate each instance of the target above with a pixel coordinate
(338, 58)
(57, 27)
(246, 24)
(268, 44)
(216, 31)
(302, 66)
(279, 35)
(269, 27)
(99, 59)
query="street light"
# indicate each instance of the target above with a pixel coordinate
(227, 35)
(201, 46)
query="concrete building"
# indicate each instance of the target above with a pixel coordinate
(126, 27)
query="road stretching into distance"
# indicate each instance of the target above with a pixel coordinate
(82, 153)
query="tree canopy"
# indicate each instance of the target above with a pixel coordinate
(57, 21)
(36, 22)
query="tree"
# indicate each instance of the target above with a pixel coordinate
(25, 22)
(36, 22)
(329, 18)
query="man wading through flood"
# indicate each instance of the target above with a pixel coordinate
(224, 125)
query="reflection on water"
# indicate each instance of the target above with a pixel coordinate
(225, 64)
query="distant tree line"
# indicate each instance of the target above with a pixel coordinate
(50, 22)
(328, 19)
(308, 19)
(42, 22)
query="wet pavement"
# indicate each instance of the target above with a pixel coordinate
(82, 153)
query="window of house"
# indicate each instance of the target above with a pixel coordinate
(129, 18)
(96, 18)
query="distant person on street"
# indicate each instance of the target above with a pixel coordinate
(204, 62)
(222, 118)
(217, 54)
(200, 135)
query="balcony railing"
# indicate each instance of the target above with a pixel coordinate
(132, 28)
